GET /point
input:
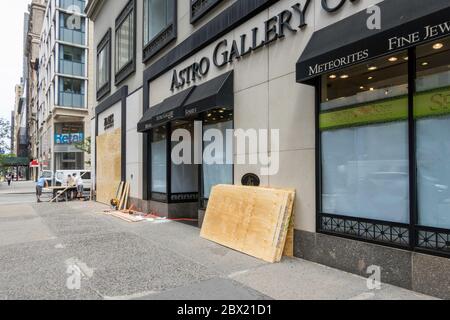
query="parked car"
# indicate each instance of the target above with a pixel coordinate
(48, 176)
(61, 177)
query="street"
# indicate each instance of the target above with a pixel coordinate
(73, 251)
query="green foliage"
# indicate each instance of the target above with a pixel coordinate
(84, 146)
(5, 136)
(3, 158)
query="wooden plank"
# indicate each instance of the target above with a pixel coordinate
(289, 248)
(123, 216)
(250, 220)
(127, 194)
(119, 191)
(286, 223)
(109, 165)
(122, 197)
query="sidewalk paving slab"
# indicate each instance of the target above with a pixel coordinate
(151, 261)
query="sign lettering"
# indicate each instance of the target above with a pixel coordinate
(274, 29)
(69, 138)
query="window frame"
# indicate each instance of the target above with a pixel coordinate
(105, 43)
(162, 39)
(206, 7)
(130, 67)
(61, 91)
(62, 48)
(203, 201)
(413, 230)
(168, 197)
(62, 26)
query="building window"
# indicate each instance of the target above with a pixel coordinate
(125, 41)
(69, 161)
(71, 92)
(368, 115)
(104, 66)
(364, 141)
(159, 25)
(184, 175)
(215, 169)
(72, 5)
(159, 162)
(71, 61)
(432, 114)
(72, 29)
(200, 8)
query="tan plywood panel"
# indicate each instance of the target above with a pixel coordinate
(251, 220)
(109, 165)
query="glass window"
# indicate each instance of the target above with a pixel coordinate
(103, 75)
(364, 132)
(71, 61)
(159, 160)
(71, 4)
(69, 161)
(158, 15)
(432, 113)
(184, 176)
(215, 168)
(72, 29)
(125, 42)
(71, 92)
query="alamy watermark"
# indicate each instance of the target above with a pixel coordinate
(374, 279)
(252, 148)
(77, 271)
(74, 21)
(374, 20)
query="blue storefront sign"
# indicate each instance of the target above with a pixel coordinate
(69, 138)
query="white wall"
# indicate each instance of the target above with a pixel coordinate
(117, 111)
(134, 144)
(93, 152)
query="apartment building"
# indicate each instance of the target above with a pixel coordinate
(19, 145)
(32, 31)
(358, 91)
(20, 139)
(64, 95)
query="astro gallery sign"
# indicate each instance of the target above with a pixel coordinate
(289, 20)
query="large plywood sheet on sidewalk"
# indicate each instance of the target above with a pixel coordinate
(109, 165)
(251, 220)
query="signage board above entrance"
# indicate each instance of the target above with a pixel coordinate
(68, 139)
(290, 20)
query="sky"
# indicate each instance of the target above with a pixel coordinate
(11, 53)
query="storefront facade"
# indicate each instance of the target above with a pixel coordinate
(360, 120)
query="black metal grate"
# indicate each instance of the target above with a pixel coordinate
(369, 231)
(439, 241)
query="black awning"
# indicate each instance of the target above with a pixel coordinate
(168, 110)
(350, 41)
(216, 93)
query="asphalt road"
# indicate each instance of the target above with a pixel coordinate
(73, 251)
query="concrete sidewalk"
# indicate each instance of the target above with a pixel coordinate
(39, 243)
(20, 187)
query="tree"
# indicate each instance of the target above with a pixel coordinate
(5, 136)
(85, 146)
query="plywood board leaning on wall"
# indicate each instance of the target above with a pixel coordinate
(109, 165)
(252, 220)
